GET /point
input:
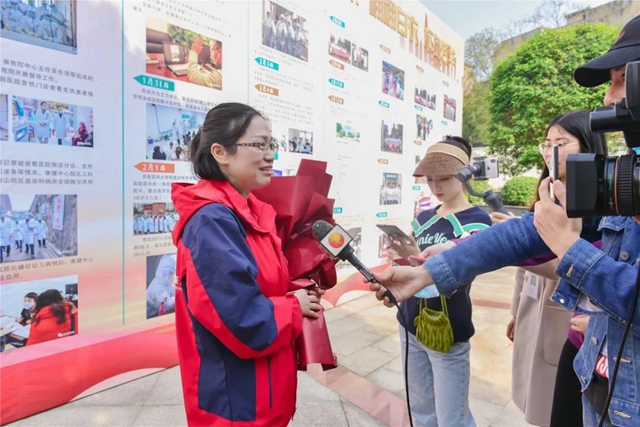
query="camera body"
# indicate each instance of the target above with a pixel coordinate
(609, 186)
(485, 168)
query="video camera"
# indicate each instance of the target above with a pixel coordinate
(482, 169)
(609, 186)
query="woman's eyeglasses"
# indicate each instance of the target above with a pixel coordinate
(263, 146)
(544, 147)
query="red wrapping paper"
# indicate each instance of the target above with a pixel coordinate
(300, 201)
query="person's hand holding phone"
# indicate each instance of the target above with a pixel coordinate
(430, 252)
(404, 247)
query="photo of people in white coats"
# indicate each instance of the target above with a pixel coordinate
(38, 227)
(46, 23)
(391, 189)
(161, 270)
(25, 311)
(154, 218)
(300, 141)
(170, 131)
(51, 122)
(284, 31)
(4, 117)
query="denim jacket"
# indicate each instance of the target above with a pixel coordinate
(607, 277)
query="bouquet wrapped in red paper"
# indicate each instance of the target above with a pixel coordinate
(300, 201)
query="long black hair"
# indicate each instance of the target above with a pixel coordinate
(575, 123)
(52, 298)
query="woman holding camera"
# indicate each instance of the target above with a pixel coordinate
(538, 326)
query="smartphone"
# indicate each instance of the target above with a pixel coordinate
(393, 229)
(400, 262)
(554, 170)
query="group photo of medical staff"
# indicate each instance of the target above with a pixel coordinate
(37, 311)
(37, 227)
(49, 122)
(391, 189)
(170, 131)
(46, 23)
(284, 31)
(161, 271)
(154, 218)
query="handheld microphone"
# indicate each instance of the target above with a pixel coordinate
(337, 242)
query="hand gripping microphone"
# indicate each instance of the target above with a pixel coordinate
(337, 242)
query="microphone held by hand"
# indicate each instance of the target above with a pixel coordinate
(337, 242)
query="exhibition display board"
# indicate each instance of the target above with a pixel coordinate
(99, 102)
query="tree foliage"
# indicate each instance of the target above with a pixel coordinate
(479, 50)
(551, 13)
(475, 110)
(480, 187)
(535, 84)
(519, 191)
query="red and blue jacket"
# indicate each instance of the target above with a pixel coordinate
(236, 324)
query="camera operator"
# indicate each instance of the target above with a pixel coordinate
(597, 282)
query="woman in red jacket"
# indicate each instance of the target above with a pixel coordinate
(236, 323)
(53, 318)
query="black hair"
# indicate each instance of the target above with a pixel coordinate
(43, 102)
(576, 123)
(32, 295)
(458, 141)
(224, 124)
(52, 298)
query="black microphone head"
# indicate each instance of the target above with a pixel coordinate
(321, 229)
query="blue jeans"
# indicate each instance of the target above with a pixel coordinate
(438, 384)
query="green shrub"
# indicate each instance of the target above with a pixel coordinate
(480, 187)
(519, 191)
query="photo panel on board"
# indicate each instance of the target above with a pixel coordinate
(177, 53)
(170, 131)
(38, 311)
(4, 117)
(38, 226)
(160, 289)
(284, 44)
(44, 121)
(48, 25)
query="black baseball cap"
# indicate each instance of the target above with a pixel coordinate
(625, 49)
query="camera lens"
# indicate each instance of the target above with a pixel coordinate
(599, 186)
(623, 184)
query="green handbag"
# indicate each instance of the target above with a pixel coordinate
(433, 328)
